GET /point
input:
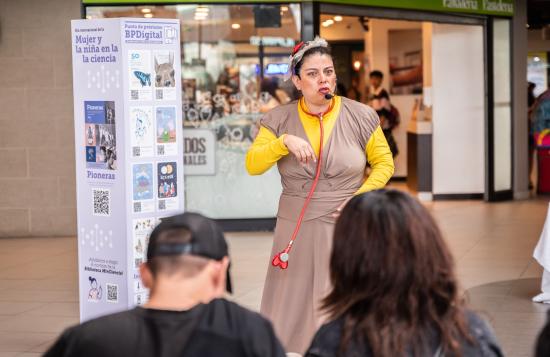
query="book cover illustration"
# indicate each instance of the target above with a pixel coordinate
(141, 230)
(167, 186)
(100, 135)
(143, 188)
(142, 131)
(166, 131)
(143, 181)
(165, 80)
(140, 75)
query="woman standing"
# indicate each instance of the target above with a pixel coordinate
(290, 135)
(395, 292)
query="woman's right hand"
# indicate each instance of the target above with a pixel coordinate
(299, 148)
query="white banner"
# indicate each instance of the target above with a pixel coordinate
(129, 151)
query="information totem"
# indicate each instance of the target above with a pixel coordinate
(129, 151)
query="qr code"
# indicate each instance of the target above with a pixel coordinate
(112, 292)
(160, 150)
(137, 207)
(158, 94)
(134, 95)
(102, 201)
(162, 204)
(136, 151)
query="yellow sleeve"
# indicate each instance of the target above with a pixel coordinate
(265, 151)
(380, 159)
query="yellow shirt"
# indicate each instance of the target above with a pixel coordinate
(267, 149)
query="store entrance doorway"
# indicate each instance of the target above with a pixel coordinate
(434, 72)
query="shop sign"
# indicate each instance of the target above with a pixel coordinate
(272, 41)
(482, 7)
(199, 152)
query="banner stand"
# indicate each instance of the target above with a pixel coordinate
(129, 151)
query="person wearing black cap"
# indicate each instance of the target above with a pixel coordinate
(186, 315)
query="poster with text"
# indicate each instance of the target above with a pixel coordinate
(167, 186)
(141, 298)
(142, 132)
(100, 135)
(115, 156)
(165, 81)
(166, 131)
(141, 229)
(143, 184)
(139, 67)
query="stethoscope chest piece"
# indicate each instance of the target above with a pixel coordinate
(284, 257)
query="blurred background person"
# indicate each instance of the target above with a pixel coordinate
(353, 91)
(379, 99)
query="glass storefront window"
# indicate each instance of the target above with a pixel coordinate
(233, 59)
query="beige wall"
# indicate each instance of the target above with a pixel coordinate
(37, 186)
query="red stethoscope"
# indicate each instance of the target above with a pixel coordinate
(281, 259)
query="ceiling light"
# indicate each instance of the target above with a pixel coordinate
(330, 21)
(146, 10)
(235, 26)
(536, 59)
(326, 24)
(338, 18)
(357, 65)
(148, 15)
(284, 8)
(202, 9)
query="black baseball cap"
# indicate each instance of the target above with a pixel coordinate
(207, 239)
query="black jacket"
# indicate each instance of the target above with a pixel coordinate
(327, 341)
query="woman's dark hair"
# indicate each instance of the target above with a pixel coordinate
(393, 278)
(320, 50)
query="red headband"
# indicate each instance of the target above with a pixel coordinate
(297, 47)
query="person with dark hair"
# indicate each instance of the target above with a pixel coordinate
(379, 99)
(321, 144)
(542, 348)
(394, 291)
(353, 91)
(271, 95)
(187, 273)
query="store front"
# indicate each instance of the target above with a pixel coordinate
(439, 60)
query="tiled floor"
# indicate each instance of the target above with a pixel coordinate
(492, 244)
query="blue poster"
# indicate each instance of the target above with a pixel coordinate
(94, 112)
(143, 181)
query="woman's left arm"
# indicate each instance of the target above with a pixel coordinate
(380, 159)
